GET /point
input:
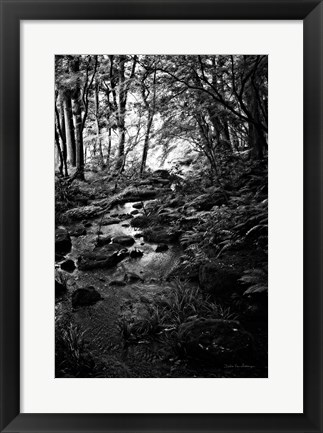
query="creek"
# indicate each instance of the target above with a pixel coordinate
(99, 321)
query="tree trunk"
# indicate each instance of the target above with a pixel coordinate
(256, 138)
(226, 134)
(146, 144)
(78, 138)
(76, 106)
(234, 139)
(70, 136)
(122, 113)
(109, 147)
(257, 141)
(61, 163)
(207, 145)
(98, 132)
(63, 131)
(151, 113)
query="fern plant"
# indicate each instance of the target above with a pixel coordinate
(256, 279)
(73, 357)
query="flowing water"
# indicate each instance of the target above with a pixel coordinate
(99, 321)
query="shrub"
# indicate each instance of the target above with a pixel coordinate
(66, 193)
(72, 357)
(256, 279)
(240, 224)
(163, 316)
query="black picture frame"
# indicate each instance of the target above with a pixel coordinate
(12, 12)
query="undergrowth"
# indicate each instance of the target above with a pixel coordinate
(72, 357)
(163, 316)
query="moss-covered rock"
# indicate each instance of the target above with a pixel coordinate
(217, 280)
(221, 342)
(63, 242)
(84, 297)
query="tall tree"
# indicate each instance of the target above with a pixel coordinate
(77, 113)
(97, 121)
(59, 152)
(150, 107)
(80, 101)
(124, 105)
(121, 111)
(59, 112)
(120, 84)
(70, 134)
(204, 75)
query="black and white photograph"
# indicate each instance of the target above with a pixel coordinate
(161, 216)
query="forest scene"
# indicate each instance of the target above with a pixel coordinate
(161, 216)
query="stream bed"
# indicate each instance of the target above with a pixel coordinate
(100, 321)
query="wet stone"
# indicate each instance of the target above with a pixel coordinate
(83, 212)
(84, 297)
(161, 248)
(137, 205)
(106, 259)
(107, 248)
(63, 242)
(118, 283)
(103, 240)
(60, 288)
(131, 277)
(124, 240)
(78, 230)
(68, 265)
(59, 257)
(135, 253)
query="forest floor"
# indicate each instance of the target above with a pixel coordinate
(142, 290)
